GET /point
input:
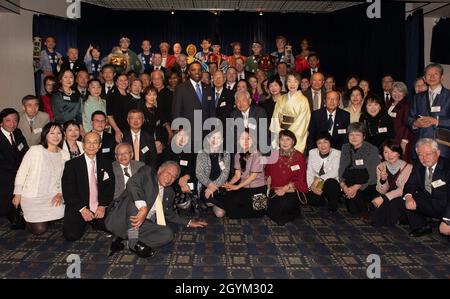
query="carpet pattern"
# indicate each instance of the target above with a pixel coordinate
(317, 245)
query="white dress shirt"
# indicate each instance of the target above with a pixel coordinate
(7, 135)
(125, 178)
(333, 117)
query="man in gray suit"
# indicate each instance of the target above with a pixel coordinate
(139, 214)
(32, 120)
(316, 95)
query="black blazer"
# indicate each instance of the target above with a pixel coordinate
(108, 147)
(307, 73)
(10, 159)
(439, 196)
(79, 65)
(309, 95)
(319, 123)
(225, 105)
(104, 95)
(254, 115)
(75, 183)
(147, 145)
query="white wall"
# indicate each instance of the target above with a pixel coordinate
(16, 52)
(428, 24)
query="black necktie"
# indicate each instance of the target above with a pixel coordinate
(387, 98)
(108, 89)
(322, 171)
(330, 122)
(125, 171)
(13, 142)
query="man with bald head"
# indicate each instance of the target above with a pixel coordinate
(88, 188)
(316, 93)
(329, 118)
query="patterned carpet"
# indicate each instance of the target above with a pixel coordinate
(318, 245)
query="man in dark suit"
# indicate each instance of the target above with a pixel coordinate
(426, 191)
(88, 186)
(430, 110)
(386, 83)
(231, 79)
(140, 213)
(316, 94)
(313, 62)
(157, 64)
(242, 74)
(72, 62)
(98, 122)
(13, 147)
(192, 97)
(143, 143)
(332, 119)
(223, 98)
(108, 74)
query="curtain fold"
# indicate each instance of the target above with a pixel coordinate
(414, 55)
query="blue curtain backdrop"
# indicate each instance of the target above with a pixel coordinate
(414, 49)
(440, 46)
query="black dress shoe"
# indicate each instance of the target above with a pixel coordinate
(421, 231)
(116, 246)
(143, 250)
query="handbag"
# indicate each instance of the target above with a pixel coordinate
(356, 176)
(442, 136)
(259, 202)
(16, 218)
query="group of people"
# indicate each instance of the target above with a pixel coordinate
(116, 147)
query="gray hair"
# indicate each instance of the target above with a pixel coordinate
(157, 71)
(357, 127)
(130, 148)
(168, 164)
(429, 141)
(401, 87)
(432, 65)
(242, 93)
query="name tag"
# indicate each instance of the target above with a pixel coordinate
(342, 131)
(105, 176)
(106, 150)
(223, 104)
(145, 149)
(66, 98)
(20, 147)
(209, 98)
(222, 165)
(382, 130)
(37, 131)
(158, 122)
(183, 163)
(393, 114)
(191, 186)
(359, 162)
(438, 183)
(252, 126)
(295, 167)
(436, 109)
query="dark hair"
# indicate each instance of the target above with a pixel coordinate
(117, 76)
(213, 62)
(7, 111)
(372, 98)
(313, 54)
(351, 90)
(94, 80)
(322, 135)
(109, 66)
(50, 36)
(392, 145)
(289, 134)
(150, 88)
(131, 72)
(352, 76)
(275, 79)
(46, 130)
(70, 123)
(98, 112)
(282, 62)
(249, 89)
(195, 62)
(95, 47)
(387, 75)
(28, 98)
(50, 78)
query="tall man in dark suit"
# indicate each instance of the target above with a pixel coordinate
(430, 110)
(108, 74)
(192, 97)
(98, 122)
(143, 143)
(386, 83)
(13, 147)
(88, 188)
(231, 79)
(223, 98)
(313, 62)
(141, 213)
(332, 119)
(316, 93)
(427, 189)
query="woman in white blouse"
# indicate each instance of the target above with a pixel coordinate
(322, 173)
(71, 144)
(38, 182)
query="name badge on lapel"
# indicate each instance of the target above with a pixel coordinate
(145, 149)
(105, 176)
(223, 104)
(66, 98)
(359, 162)
(106, 150)
(382, 130)
(209, 98)
(183, 163)
(222, 165)
(37, 131)
(252, 126)
(20, 147)
(436, 109)
(295, 167)
(342, 131)
(393, 114)
(438, 183)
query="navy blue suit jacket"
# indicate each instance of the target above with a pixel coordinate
(319, 123)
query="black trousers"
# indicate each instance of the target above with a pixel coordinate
(74, 225)
(424, 208)
(388, 213)
(283, 209)
(360, 203)
(6, 196)
(238, 204)
(330, 195)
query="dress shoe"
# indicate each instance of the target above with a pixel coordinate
(143, 250)
(116, 246)
(421, 231)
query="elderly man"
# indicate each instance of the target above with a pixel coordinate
(141, 213)
(223, 98)
(98, 122)
(88, 186)
(72, 62)
(32, 120)
(427, 190)
(167, 60)
(430, 110)
(316, 94)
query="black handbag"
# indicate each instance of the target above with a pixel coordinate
(16, 218)
(355, 176)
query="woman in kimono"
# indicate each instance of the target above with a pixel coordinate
(292, 113)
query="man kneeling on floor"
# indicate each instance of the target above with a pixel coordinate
(139, 214)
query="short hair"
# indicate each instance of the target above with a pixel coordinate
(356, 127)
(280, 37)
(239, 58)
(213, 62)
(432, 65)
(108, 66)
(429, 141)
(296, 76)
(170, 163)
(159, 72)
(117, 76)
(322, 135)
(275, 79)
(400, 86)
(69, 123)
(49, 78)
(98, 112)
(245, 93)
(281, 63)
(150, 88)
(61, 74)
(373, 98)
(94, 80)
(92, 132)
(194, 63)
(130, 148)
(8, 111)
(50, 36)
(313, 54)
(387, 75)
(29, 98)
(135, 111)
(289, 134)
(351, 90)
(392, 145)
(46, 130)
(95, 47)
